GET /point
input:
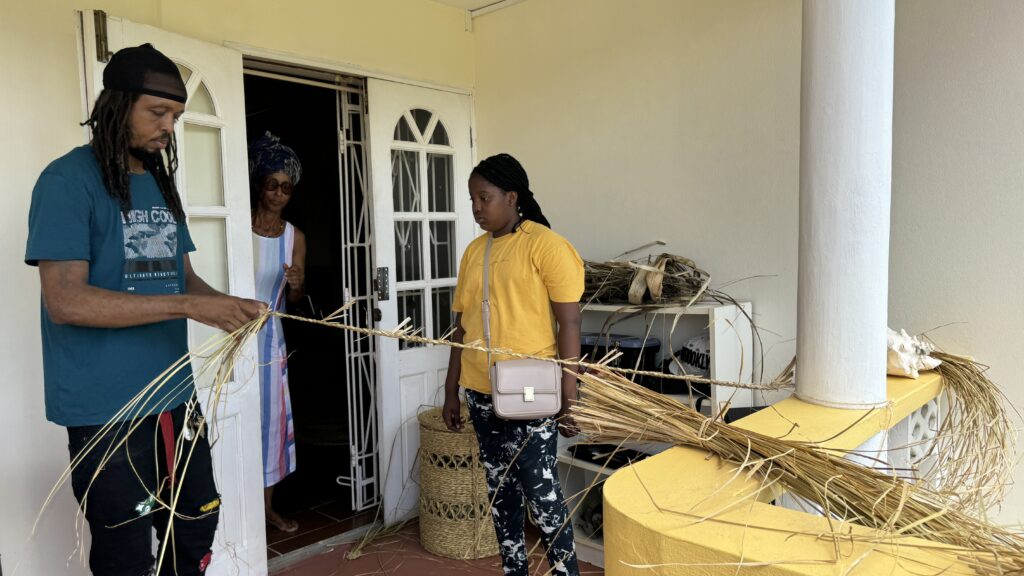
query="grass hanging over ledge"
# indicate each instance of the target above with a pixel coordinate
(612, 409)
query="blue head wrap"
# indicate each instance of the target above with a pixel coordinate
(267, 155)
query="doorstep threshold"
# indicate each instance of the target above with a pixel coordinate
(285, 561)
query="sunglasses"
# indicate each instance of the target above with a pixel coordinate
(272, 185)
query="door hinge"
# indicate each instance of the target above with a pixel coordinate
(99, 20)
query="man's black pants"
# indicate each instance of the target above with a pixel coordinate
(130, 495)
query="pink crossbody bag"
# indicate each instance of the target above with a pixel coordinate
(521, 389)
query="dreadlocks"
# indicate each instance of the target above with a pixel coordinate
(507, 173)
(111, 143)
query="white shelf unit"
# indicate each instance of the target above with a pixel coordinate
(577, 476)
(729, 328)
(731, 340)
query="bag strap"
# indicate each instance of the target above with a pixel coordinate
(485, 304)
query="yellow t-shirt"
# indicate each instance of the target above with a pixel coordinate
(530, 269)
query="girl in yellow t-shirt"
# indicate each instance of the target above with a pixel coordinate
(536, 282)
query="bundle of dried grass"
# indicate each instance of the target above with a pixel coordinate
(653, 284)
(970, 462)
(666, 279)
(974, 447)
(613, 409)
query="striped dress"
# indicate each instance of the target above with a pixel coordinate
(269, 255)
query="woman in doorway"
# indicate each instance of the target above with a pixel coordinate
(279, 254)
(536, 281)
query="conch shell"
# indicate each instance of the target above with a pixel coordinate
(908, 355)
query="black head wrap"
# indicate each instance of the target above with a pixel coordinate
(144, 70)
(507, 173)
(267, 155)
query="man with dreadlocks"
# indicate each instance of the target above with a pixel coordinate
(108, 233)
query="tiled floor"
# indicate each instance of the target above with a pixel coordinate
(402, 555)
(315, 525)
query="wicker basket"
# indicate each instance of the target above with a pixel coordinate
(455, 514)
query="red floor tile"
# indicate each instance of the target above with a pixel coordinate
(309, 521)
(402, 555)
(338, 510)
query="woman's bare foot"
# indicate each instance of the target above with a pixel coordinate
(281, 523)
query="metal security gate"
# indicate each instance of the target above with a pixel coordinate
(358, 355)
(357, 251)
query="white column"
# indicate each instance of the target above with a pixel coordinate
(845, 182)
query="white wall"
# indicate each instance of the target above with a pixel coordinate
(679, 120)
(39, 111)
(664, 119)
(40, 108)
(957, 253)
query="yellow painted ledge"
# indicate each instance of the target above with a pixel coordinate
(667, 515)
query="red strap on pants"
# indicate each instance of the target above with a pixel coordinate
(167, 429)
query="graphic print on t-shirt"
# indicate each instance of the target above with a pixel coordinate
(151, 251)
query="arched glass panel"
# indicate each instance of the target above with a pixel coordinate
(201, 101)
(440, 135)
(403, 132)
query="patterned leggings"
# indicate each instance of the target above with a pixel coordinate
(519, 457)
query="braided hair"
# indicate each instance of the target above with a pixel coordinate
(507, 173)
(111, 143)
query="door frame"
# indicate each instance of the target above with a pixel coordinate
(344, 68)
(291, 59)
(362, 424)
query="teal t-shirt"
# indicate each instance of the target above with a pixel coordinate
(92, 373)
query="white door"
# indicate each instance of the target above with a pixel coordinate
(213, 180)
(420, 161)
